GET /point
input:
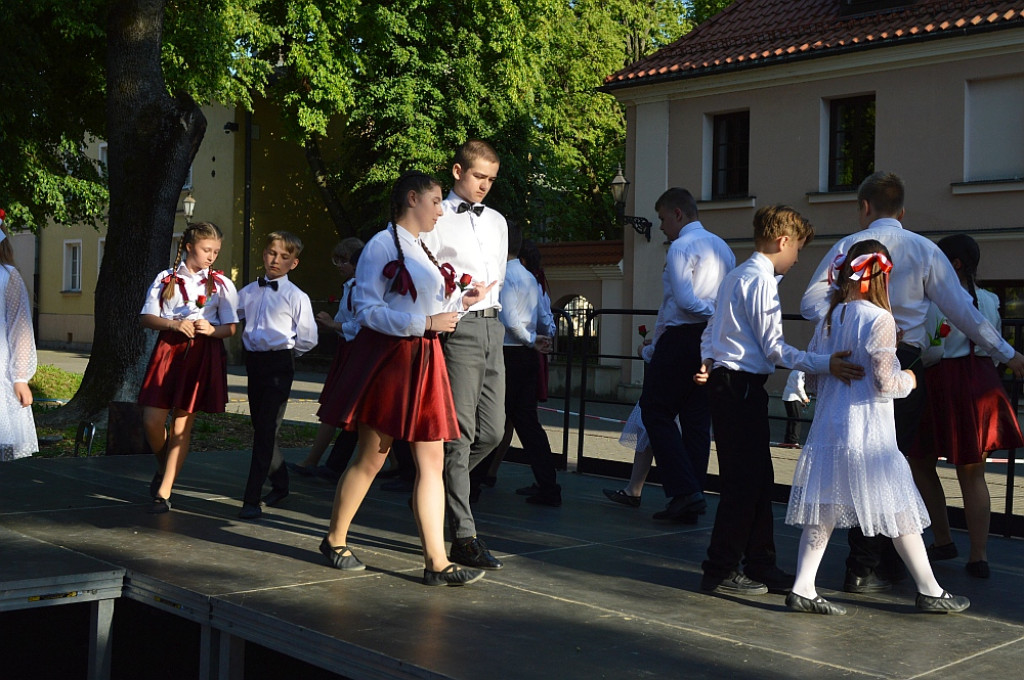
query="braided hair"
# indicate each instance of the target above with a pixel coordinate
(412, 180)
(194, 233)
(878, 290)
(964, 248)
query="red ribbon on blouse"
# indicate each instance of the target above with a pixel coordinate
(402, 284)
(218, 279)
(448, 272)
(170, 278)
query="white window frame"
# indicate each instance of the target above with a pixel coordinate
(72, 270)
(101, 152)
(101, 246)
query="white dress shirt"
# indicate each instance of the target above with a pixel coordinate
(346, 314)
(520, 306)
(696, 263)
(745, 333)
(920, 275)
(794, 389)
(277, 319)
(477, 245)
(389, 312)
(956, 344)
(219, 309)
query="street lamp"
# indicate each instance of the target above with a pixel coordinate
(620, 190)
(188, 206)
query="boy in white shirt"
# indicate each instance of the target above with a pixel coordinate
(279, 325)
(741, 347)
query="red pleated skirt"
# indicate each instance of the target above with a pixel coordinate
(340, 354)
(967, 413)
(398, 386)
(190, 375)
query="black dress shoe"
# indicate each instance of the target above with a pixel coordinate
(399, 485)
(734, 584)
(337, 559)
(621, 497)
(452, 575)
(818, 605)
(250, 511)
(872, 583)
(549, 497)
(978, 569)
(943, 604)
(683, 505)
(301, 470)
(778, 581)
(154, 484)
(942, 552)
(274, 497)
(159, 506)
(471, 552)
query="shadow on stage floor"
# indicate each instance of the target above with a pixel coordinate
(589, 590)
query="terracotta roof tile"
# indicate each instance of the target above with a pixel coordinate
(580, 253)
(752, 33)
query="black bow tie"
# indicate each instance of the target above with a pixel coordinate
(477, 209)
(263, 282)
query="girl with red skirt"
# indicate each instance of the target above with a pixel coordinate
(396, 383)
(194, 308)
(967, 416)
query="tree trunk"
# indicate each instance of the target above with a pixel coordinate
(152, 139)
(314, 157)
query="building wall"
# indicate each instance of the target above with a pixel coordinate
(921, 134)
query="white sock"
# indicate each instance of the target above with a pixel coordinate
(911, 549)
(813, 542)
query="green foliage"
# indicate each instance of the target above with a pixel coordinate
(702, 10)
(51, 382)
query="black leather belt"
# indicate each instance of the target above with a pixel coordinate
(489, 313)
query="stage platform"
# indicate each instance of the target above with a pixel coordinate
(589, 590)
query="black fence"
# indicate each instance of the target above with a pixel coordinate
(1004, 522)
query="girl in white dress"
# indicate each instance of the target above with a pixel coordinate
(17, 357)
(851, 472)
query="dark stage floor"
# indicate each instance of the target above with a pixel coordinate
(589, 590)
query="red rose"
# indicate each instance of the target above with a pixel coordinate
(332, 299)
(944, 329)
(2, 215)
(465, 281)
(643, 331)
(200, 301)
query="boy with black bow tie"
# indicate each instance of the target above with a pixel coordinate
(279, 325)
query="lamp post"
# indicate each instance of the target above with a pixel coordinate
(188, 206)
(620, 190)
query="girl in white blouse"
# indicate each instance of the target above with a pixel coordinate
(396, 377)
(194, 308)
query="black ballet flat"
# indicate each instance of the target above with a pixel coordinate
(978, 569)
(159, 506)
(337, 559)
(818, 605)
(621, 497)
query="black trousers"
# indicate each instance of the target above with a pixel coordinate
(341, 452)
(669, 391)
(792, 423)
(522, 370)
(270, 384)
(868, 553)
(743, 524)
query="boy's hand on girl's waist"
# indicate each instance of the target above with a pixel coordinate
(843, 369)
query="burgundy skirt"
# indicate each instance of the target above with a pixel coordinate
(967, 413)
(340, 354)
(190, 375)
(398, 386)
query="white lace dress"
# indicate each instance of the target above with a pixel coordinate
(851, 471)
(17, 362)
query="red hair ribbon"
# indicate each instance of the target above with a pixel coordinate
(862, 268)
(448, 272)
(170, 278)
(403, 284)
(833, 270)
(218, 280)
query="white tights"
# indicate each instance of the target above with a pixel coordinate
(814, 540)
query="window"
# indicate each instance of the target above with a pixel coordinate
(577, 308)
(102, 153)
(994, 129)
(72, 267)
(1011, 303)
(188, 180)
(851, 148)
(100, 247)
(730, 149)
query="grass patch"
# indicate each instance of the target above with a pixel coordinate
(210, 431)
(51, 382)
